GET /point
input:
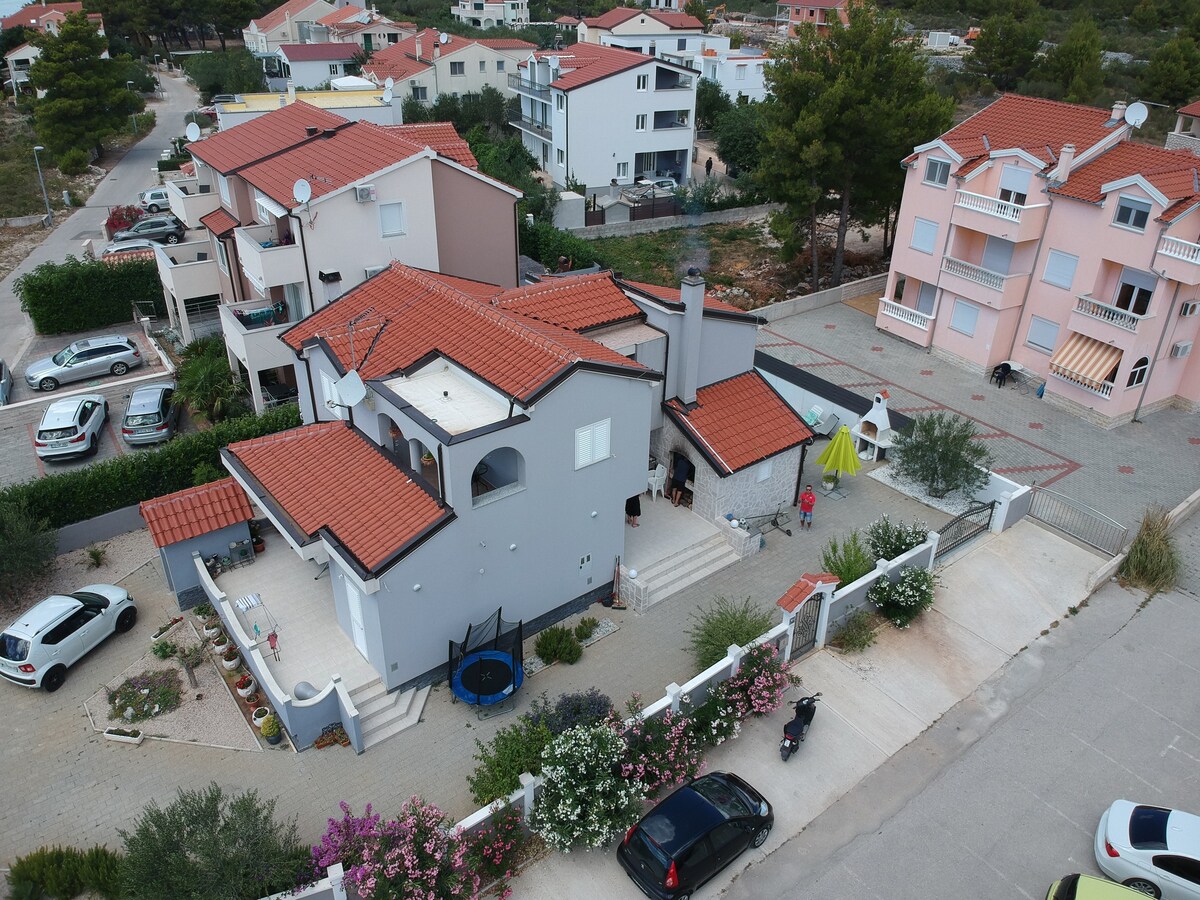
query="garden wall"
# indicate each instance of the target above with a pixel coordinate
(874, 284)
(665, 223)
(853, 597)
(100, 528)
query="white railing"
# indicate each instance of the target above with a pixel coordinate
(906, 314)
(1180, 249)
(972, 272)
(1106, 313)
(993, 206)
(1104, 390)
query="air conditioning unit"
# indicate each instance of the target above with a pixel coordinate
(1181, 349)
(412, 82)
(365, 193)
(1189, 309)
(372, 271)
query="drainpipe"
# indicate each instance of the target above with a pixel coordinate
(1162, 336)
(312, 303)
(312, 394)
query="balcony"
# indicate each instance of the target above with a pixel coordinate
(1103, 389)
(1086, 305)
(187, 271)
(265, 261)
(994, 289)
(252, 332)
(537, 129)
(190, 200)
(906, 314)
(678, 83)
(1179, 260)
(992, 216)
(529, 88)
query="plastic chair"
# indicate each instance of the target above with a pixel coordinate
(658, 481)
(812, 418)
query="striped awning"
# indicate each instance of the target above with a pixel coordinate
(1085, 359)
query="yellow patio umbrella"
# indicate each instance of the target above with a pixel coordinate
(838, 456)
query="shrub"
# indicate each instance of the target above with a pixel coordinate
(511, 752)
(1152, 562)
(27, 544)
(270, 726)
(723, 623)
(545, 243)
(571, 710)
(496, 849)
(903, 600)
(97, 554)
(848, 559)
(584, 802)
(662, 751)
(939, 451)
(757, 687)
(586, 628)
(558, 643)
(121, 217)
(164, 649)
(205, 382)
(715, 720)
(64, 872)
(206, 472)
(857, 634)
(81, 295)
(73, 162)
(887, 539)
(146, 695)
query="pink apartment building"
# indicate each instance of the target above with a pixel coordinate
(815, 12)
(1037, 233)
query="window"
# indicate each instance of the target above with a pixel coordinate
(499, 65)
(924, 235)
(561, 157)
(391, 219)
(643, 82)
(764, 470)
(1138, 373)
(739, 73)
(1014, 197)
(639, 123)
(681, 44)
(1180, 866)
(964, 317)
(1014, 184)
(592, 443)
(335, 69)
(420, 93)
(1043, 334)
(622, 170)
(560, 102)
(937, 171)
(925, 298)
(483, 67)
(393, 37)
(222, 256)
(223, 188)
(1060, 269)
(1134, 291)
(1132, 213)
(329, 396)
(500, 474)
(458, 68)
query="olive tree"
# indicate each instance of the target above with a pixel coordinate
(939, 451)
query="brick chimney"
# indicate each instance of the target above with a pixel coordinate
(691, 292)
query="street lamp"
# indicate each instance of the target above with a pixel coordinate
(133, 115)
(37, 162)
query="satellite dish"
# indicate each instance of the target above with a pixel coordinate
(302, 191)
(192, 132)
(1136, 114)
(389, 84)
(443, 38)
(387, 96)
(350, 389)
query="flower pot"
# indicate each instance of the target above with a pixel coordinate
(259, 545)
(231, 664)
(274, 738)
(220, 648)
(211, 631)
(253, 700)
(109, 735)
(258, 715)
(247, 690)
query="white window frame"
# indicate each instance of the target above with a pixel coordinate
(398, 229)
(561, 157)
(1060, 261)
(622, 170)
(935, 166)
(1137, 374)
(462, 69)
(335, 69)
(959, 316)
(643, 82)
(499, 65)
(1042, 334)
(483, 67)
(1135, 205)
(223, 188)
(763, 472)
(222, 256)
(560, 102)
(420, 93)
(593, 443)
(920, 227)
(639, 122)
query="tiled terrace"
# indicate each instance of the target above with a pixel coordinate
(663, 530)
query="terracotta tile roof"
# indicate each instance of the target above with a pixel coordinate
(803, 589)
(813, 4)
(414, 314)
(228, 151)
(277, 16)
(26, 14)
(582, 64)
(672, 295)
(393, 62)
(1192, 109)
(622, 14)
(505, 44)
(566, 20)
(577, 302)
(318, 52)
(339, 15)
(1174, 173)
(219, 222)
(438, 136)
(327, 475)
(738, 422)
(195, 511)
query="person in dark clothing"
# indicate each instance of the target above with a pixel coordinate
(680, 470)
(708, 168)
(633, 509)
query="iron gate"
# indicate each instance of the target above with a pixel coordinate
(1077, 519)
(962, 528)
(804, 635)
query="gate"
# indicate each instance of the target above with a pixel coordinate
(1078, 520)
(962, 528)
(593, 216)
(804, 635)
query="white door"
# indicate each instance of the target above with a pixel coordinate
(354, 601)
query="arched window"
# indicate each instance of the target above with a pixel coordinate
(1138, 373)
(499, 474)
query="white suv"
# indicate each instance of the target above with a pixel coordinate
(38, 648)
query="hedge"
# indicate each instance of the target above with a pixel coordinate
(85, 493)
(173, 164)
(545, 243)
(81, 295)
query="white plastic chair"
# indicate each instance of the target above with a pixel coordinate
(658, 481)
(812, 418)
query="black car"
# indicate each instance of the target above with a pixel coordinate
(693, 834)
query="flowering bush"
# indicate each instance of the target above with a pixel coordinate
(757, 688)
(663, 751)
(887, 539)
(496, 850)
(146, 695)
(906, 598)
(585, 799)
(571, 710)
(715, 720)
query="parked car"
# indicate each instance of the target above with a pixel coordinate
(71, 426)
(88, 358)
(37, 649)
(127, 246)
(1151, 849)
(1085, 887)
(164, 229)
(224, 98)
(154, 199)
(693, 834)
(151, 416)
(644, 190)
(6, 382)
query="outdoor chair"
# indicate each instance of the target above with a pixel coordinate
(658, 481)
(813, 418)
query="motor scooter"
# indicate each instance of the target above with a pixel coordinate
(795, 731)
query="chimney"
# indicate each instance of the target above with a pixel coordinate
(437, 52)
(418, 47)
(291, 91)
(691, 292)
(1066, 159)
(282, 101)
(1119, 111)
(311, 130)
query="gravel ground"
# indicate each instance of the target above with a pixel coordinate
(955, 504)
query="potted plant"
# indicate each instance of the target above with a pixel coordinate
(260, 713)
(124, 735)
(270, 729)
(253, 700)
(204, 612)
(427, 459)
(212, 627)
(256, 538)
(830, 481)
(231, 659)
(220, 644)
(166, 626)
(245, 685)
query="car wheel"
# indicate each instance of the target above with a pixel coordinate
(54, 679)
(105, 410)
(93, 446)
(126, 619)
(1142, 885)
(152, 208)
(172, 239)
(760, 836)
(48, 384)
(119, 368)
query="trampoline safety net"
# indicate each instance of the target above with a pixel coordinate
(486, 666)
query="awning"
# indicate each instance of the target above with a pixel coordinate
(1085, 359)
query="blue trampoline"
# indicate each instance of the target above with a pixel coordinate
(487, 666)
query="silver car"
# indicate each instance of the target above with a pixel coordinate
(71, 426)
(6, 382)
(91, 358)
(152, 415)
(154, 199)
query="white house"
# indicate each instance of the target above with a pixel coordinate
(18, 60)
(646, 31)
(365, 27)
(432, 63)
(491, 13)
(284, 24)
(310, 66)
(741, 73)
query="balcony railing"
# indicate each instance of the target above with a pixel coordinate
(191, 200)
(972, 272)
(187, 270)
(906, 314)
(682, 84)
(266, 260)
(1114, 315)
(1103, 389)
(531, 126)
(525, 86)
(1180, 249)
(993, 206)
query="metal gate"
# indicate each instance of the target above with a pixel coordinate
(804, 635)
(1078, 520)
(962, 528)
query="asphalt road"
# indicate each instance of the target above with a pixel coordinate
(1003, 795)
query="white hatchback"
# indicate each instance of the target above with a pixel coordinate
(1150, 849)
(71, 426)
(38, 648)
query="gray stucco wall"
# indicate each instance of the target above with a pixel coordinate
(177, 558)
(101, 528)
(726, 346)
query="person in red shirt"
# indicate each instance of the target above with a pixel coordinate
(807, 501)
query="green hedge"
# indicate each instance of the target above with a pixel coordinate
(80, 295)
(115, 483)
(173, 164)
(545, 243)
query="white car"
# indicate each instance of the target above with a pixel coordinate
(71, 426)
(1150, 849)
(38, 648)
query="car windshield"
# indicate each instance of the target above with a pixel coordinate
(724, 796)
(1148, 828)
(143, 419)
(61, 356)
(13, 648)
(88, 599)
(56, 434)
(643, 849)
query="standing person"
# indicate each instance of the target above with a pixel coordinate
(679, 475)
(708, 168)
(807, 501)
(633, 509)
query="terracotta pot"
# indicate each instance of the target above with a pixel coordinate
(252, 700)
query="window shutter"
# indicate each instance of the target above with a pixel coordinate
(583, 447)
(600, 443)
(1139, 279)
(1016, 179)
(1043, 333)
(924, 235)
(1060, 269)
(964, 317)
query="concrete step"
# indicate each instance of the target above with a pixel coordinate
(667, 568)
(387, 722)
(715, 564)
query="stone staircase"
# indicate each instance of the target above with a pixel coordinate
(684, 568)
(385, 715)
